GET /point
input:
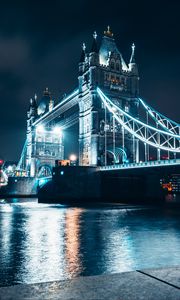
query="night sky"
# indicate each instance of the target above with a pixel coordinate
(40, 45)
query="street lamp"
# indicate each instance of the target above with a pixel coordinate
(73, 157)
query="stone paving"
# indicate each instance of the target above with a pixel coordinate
(155, 284)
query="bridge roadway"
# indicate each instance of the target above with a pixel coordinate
(148, 164)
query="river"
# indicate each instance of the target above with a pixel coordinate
(41, 242)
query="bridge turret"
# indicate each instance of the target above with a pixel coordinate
(82, 60)
(105, 68)
(133, 71)
(32, 111)
(31, 117)
(94, 55)
(132, 63)
(109, 48)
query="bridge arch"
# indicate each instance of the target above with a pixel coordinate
(44, 170)
(117, 155)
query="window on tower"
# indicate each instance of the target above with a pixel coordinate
(122, 80)
(112, 78)
(126, 108)
(112, 65)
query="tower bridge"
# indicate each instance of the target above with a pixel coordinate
(116, 126)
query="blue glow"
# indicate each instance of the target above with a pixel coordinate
(150, 109)
(62, 173)
(42, 181)
(103, 96)
(109, 104)
(155, 163)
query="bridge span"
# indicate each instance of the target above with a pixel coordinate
(116, 128)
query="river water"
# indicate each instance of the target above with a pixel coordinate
(41, 242)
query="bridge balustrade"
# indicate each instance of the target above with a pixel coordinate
(141, 164)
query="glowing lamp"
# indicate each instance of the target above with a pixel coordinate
(10, 168)
(72, 157)
(40, 128)
(57, 130)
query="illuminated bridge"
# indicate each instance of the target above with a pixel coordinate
(113, 126)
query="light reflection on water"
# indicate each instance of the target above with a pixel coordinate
(41, 242)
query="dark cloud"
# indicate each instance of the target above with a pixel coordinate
(40, 44)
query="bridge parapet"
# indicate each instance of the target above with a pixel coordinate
(148, 164)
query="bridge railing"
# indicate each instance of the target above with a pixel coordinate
(154, 163)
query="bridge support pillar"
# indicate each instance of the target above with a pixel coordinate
(94, 150)
(33, 167)
(137, 151)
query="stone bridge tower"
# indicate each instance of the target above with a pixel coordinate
(105, 67)
(44, 141)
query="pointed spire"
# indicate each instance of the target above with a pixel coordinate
(108, 32)
(132, 59)
(84, 47)
(95, 35)
(46, 92)
(83, 53)
(94, 44)
(51, 104)
(33, 101)
(124, 66)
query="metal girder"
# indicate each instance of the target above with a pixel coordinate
(164, 122)
(160, 139)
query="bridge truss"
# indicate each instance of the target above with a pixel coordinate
(154, 130)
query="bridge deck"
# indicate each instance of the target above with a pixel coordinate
(149, 164)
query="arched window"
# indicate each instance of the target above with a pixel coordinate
(112, 65)
(122, 80)
(117, 66)
(106, 76)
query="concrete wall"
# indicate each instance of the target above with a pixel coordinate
(20, 186)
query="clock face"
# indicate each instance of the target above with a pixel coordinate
(41, 108)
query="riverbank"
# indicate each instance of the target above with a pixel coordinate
(148, 284)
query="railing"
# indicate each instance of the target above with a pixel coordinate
(155, 163)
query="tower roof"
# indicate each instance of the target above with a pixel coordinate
(108, 32)
(108, 46)
(132, 59)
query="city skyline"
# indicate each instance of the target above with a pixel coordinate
(39, 51)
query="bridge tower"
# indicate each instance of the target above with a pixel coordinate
(44, 141)
(100, 138)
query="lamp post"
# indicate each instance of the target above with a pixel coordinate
(73, 159)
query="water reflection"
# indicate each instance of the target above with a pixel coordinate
(72, 242)
(43, 242)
